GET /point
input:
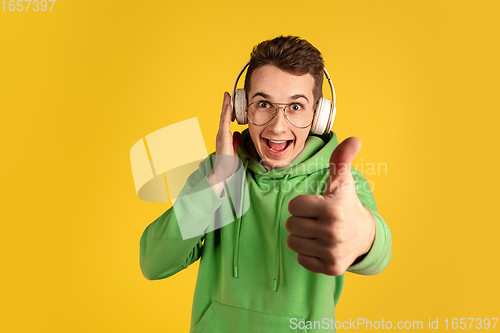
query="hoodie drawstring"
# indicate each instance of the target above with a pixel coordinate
(277, 271)
(236, 254)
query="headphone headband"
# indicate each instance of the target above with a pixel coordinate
(334, 100)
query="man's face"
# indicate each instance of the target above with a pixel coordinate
(271, 84)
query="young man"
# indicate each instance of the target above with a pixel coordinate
(309, 215)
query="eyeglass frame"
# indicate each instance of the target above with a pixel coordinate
(284, 113)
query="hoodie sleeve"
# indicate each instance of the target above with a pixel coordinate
(377, 259)
(174, 240)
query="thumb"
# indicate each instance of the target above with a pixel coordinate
(237, 139)
(340, 162)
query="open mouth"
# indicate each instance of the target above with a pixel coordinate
(278, 146)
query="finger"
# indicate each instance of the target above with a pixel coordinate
(304, 246)
(303, 227)
(306, 205)
(312, 264)
(225, 123)
(226, 109)
(317, 265)
(224, 141)
(221, 118)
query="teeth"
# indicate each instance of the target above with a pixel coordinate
(276, 141)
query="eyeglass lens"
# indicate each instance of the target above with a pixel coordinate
(299, 115)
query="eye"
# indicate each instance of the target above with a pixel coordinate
(264, 105)
(296, 107)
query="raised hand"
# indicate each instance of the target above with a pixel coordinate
(330, 232)
(226, 146)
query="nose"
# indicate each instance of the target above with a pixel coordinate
(279, 124)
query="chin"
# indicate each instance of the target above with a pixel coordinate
(273, 163)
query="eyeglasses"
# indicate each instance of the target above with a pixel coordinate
(297, 114)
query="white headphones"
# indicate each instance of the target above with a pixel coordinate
(325, 110)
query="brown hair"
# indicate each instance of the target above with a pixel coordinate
(290, 54)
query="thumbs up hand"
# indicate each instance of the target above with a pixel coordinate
(329, 232)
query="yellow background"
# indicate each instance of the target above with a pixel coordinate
(417, 81)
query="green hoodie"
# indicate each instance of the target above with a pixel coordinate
(248, 278)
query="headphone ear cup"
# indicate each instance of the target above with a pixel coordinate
(320, 123)
(239, 106)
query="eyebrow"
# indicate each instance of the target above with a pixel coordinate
(294, 97)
